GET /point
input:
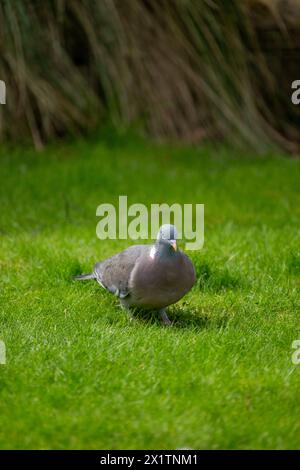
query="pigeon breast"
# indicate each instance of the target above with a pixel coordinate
(160, 281)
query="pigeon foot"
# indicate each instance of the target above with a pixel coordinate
(164, 318)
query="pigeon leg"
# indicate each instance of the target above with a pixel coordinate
(164, 317)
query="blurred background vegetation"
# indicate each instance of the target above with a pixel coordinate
(184, 70)
(79, 374)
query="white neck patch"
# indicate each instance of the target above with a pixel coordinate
(153, 252)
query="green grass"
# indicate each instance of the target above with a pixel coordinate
(79, 374)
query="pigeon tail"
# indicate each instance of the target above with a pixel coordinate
(84, 277)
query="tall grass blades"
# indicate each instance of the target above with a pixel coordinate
(186, 70)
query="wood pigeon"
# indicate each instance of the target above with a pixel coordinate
(147, 276)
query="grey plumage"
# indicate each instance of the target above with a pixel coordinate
(147, 276)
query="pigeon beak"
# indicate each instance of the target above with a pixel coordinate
(173, 244)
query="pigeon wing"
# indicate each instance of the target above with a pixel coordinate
(114, 273)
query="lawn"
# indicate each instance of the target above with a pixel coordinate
(79, 374)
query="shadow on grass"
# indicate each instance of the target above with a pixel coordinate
(182, 318)
(186, 318)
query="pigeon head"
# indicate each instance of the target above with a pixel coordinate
(167, 236)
